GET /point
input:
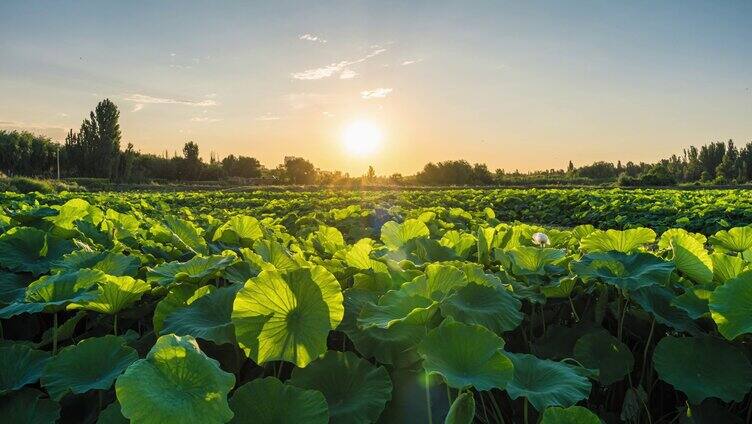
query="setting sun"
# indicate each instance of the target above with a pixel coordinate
(361, 138)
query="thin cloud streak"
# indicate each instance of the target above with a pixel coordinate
(145, 99)
(204, 119)
(377, 93)
(311, 37)
(411, 62)
(334, 68)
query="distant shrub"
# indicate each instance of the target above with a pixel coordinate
(28, 185)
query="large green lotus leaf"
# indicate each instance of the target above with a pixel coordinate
(396, 306)
(20, 365)
(240, 230)
(93, 235)
(197, 270)
(437, 283)
(359, 255)
(184, 234)
(395, 235)
(581, 231)
(561, 288)
(355, 390)
(32, 217)
(625, 271)
(461, 243)
(691, 258)
(53, 293)
(287, 316)
(527, 260)
(462, 410)
(74, 210)
(731, 306)
(621, 241)
(604, 352)
(737, 239)
(208, 317)
(112, 415)
(660, 302)
(546, 383)
(92, 364)
(116, 294)
(429, 250)
(12, 287)
(726, 267)
(703, 367)
(240, 272)
(493, 308)
(25, 249)
(179, 296)
(485, 236)
(269, 401)
(271, 255)
(466, 355)
(176, 383)
(665, 241)
(112, 263)
(695, 300)
(571, 415)
(327, 239)
(28, 407)
(395, 345)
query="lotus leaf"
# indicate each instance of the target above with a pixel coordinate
(175, 383)
(355, 390)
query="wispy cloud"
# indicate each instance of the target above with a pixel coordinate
(268, 117)
(348, 74)
(311, 37)
(137, 107)
(377, 93)
(411, 62)
(334, 68)
(204, 119)
(145, 99)
(62, 115)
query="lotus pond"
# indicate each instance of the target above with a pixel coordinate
(454, 306)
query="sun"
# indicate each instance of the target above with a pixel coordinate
(361, 138)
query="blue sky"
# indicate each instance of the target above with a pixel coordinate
(516, 85)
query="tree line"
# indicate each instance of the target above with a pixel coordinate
(95, 151)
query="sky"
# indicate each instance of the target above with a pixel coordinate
(517, 85)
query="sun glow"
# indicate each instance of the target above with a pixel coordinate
(361, 138)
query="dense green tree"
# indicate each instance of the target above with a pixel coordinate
(23, 153)
(242, 166)
(299, 170)
(94, 150)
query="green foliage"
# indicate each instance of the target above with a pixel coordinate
(175, 383)
(375, 306)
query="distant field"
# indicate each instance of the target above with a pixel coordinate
(704, 211)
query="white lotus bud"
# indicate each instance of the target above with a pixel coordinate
(540, 239)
